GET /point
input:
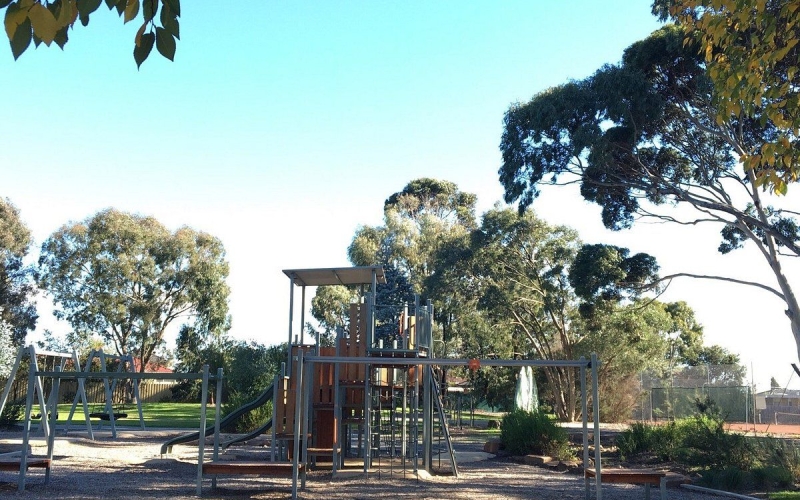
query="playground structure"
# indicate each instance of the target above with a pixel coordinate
(371, 399)
(35, 377)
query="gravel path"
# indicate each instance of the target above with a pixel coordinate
(131, 467)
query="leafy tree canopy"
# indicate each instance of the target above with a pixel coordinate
(417, 221)
(48, 21)
(128, 278)
(17, 288)
(751, 50)
(641, 138)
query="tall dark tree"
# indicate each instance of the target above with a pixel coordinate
(17, 286)
(642, 137)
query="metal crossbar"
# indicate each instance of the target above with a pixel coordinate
(448, 361)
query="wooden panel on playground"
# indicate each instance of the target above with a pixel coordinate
(352, 378)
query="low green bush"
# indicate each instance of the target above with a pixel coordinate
(725, 460)
(12, 413)
(638, 438)
(705, 443)
(781, 453)
(771, 477)
(534, 432)
(728, 479)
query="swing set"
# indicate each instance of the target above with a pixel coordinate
(48, 402)
(110, 412)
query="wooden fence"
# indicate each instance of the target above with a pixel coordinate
(150, 391)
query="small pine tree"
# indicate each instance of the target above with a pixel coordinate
(773, 384)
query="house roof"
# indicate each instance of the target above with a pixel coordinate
(780, 393)
(151, 367)
(336, 276)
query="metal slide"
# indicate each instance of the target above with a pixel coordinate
(261, 400)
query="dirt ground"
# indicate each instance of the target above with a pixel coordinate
(131, 466)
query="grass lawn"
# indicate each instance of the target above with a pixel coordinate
(170, 415)
(785, 495)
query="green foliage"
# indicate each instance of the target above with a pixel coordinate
(785, 495)
(12, 413)
(49, 21)
(726, 460)
(705, 443)
(417, 220)
(606, 272)
(699, 441)
(251, 420)
(727, 479)
(17, 287)
(641, 139)
(772, 477)
(751, 50)
(524, 432)
(128, 278)
(779, 453)
(252, 369)
(638, 438)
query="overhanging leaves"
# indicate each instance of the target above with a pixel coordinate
(165, 43)
(22, 38)
(49, 21)
(142, 50)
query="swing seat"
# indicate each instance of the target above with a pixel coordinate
(39, 415)
(106, 416)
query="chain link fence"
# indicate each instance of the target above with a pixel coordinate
(680, 394)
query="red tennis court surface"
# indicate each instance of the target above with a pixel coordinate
(780, 429)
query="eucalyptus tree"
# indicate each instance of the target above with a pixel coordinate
(546, 295)
(641, 138)
(417, 221)
(331, 306)
(17, 287)
(128, 278)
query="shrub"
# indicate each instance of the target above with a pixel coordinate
(772, 477)
(12, 413)
(666, 440)
(637, 438)
(729, 478)
(705, 443)
(526, 432)
(779, 453)
(661, 440)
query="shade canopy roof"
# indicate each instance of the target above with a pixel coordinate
(336, 276)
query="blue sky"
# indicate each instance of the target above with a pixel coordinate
(282, 126)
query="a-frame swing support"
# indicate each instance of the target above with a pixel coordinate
(50, 405)
(109, 388)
